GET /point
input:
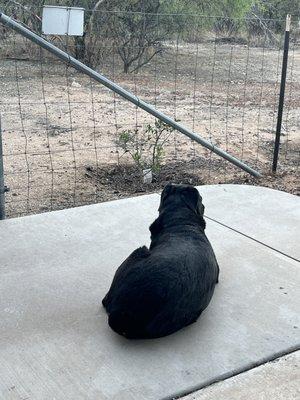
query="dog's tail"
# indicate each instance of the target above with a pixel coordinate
(126, 324)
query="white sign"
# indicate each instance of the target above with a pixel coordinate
(147, 175)
(63, 20)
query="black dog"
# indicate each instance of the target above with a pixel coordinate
(158, 291)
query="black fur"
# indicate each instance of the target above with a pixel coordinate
(159, 290)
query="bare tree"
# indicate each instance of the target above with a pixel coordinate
(136, 34)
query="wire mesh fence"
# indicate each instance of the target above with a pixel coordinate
(68, 141)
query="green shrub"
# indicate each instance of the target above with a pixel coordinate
(146, 147)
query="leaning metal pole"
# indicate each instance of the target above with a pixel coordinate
(122, 92)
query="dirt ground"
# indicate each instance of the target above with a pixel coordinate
(60, 129)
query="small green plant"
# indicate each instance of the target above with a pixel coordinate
(146, 147)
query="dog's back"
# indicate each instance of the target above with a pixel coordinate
(157, 294)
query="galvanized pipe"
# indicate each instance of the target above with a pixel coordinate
(122, 92)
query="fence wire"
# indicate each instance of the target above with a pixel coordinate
(68, 141)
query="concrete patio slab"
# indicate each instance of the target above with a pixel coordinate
(277, 380)
(54, 338)
(267, 215)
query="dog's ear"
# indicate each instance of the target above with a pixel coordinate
(167, 190)
(193, 200)
(165, 193)
(155, 227)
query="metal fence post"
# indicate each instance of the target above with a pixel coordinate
(282, 91)
(2, 187)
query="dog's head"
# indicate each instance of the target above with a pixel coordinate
(181, 196)
(175, 201)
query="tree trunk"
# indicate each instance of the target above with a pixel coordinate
(80, 48)
(126, 68)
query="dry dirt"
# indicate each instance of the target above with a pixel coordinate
(60, 129)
